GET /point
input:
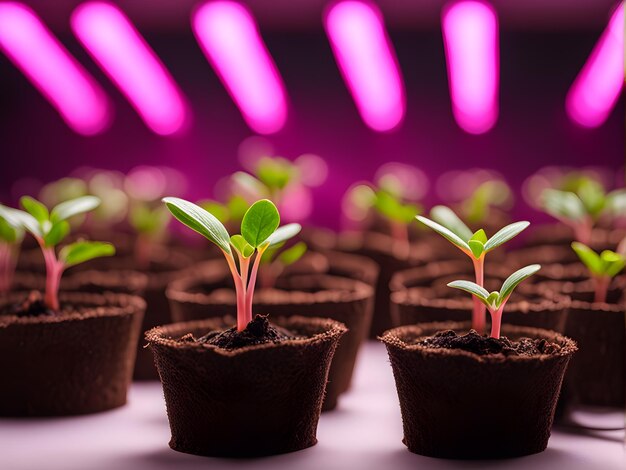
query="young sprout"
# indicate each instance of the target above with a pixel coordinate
(495, 301)
(11, 235)
(49, 229)
(150, 224)
(274, 261)
(475, 245)
(582, 209)
(231, 212)
(260, 231)
(491, 193)
(602, 266)
(271, 175)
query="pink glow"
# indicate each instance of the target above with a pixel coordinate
(470, 33)
(231, 42)
(52, 70)
(367, 62)
(596, 89)
(119, 49)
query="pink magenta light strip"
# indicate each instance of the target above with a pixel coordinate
(367, 62)
(52, 70)
(598, 85)
(470, 32)
(230, 39)
(132, 65)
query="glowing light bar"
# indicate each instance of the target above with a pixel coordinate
(470, 33)
(367, 62)
(126, 58)
(233, 45)
(52, 70)
(598, 85)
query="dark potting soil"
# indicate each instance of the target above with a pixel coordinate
(258, 331)
(31, 306)
(483, 345)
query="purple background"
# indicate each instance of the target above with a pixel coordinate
(537, 68)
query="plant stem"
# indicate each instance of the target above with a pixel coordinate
(583, 231)
(496, 321)
(479, 312)
(400, 235)
(252, 283)
(54, 270)
(143, 251)
(601, 288)
(7, 266)
(240, 289)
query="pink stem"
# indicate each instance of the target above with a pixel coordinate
(252, 284)
(143, 251)
(479, 312)
(583, 231)
(5, 267)
(496, 321)
(601, 288)
(241, 293)
(54, 270)
(400, 235)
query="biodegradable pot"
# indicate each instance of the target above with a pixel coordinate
(78, 362)
(542, 254)
(120, 282)
(248, 402)
(353, 267)
(561, 234)
(460, 405)
(348, 301)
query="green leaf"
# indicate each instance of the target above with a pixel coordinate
(477, 248)
(237, 207)
(616, 201)
(275, 172)
(57, 233)
(446, 233)
(147, 220)
(249, 185)
(293, 254)
(35, 208)
(73, 207)
(514, 279)
(284, 233)
(260, 221)
(593, 197)
(29, 223)
(11, 230)
(220, 211)
(505, 234)
(477, 291)
(480, 236)
(446, 217)
(81, 251)
(492, 300)
(563, 205)
(613, 262)
(589, 258)
(199, 220)
(242, 246)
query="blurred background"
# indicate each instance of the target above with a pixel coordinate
(543, 45)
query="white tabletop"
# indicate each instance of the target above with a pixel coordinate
(365, 432)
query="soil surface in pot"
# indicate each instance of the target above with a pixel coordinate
(482, 344)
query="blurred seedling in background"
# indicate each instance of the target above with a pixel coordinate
(229, 213)
(50, 227)
(496, 300)
(276, 259)
(582, 209)
(603, 267)
(260, 231)
(476, 245)
(11, 236)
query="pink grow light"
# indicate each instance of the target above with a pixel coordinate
(52, 70)
(123, 54)
(231, 42)
(597, 87)
(367, 62)
(470, 33)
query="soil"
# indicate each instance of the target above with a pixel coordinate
(483, 345)
(31, 306)
(258, 331)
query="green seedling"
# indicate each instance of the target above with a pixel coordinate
(231, 212)
(582, 209)
(260, 231)
(475, 245)
(270, 176)
(496, 300)
(493, 193)
(276, 259)
(602, 267)
(50, 227)
(11, 236)
(149, 220)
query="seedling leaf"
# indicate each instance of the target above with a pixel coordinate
(35, 208)
(82, 251)
(446, 217)
(563, 204)
(242, 246)
(589, 258)
(293, 254)
(477, 291)
(57, 233)
(446, 233)
(513, 281)
(477, 248)
(505, 234)
(199, 220)
(284, 233)
(259, 222)
(73, 207)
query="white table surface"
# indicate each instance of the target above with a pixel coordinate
(364, 432)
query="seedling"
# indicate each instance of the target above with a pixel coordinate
(476, 245)
(231, 212)
(150, 223)
(11, 235)
(492, 193)
(270, 177)
(49, 229)
(274, 261)
(582, 209)
(496, 300)
(260, 231)
(602, 267)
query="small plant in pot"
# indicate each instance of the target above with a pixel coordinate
(68, 353)
(255, 388)
(11, 235)
(470, 396)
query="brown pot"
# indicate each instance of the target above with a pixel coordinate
(353, 267)
(252, 401)
(456, 404)
(349, 301)
(78, 362)
(120, 282)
